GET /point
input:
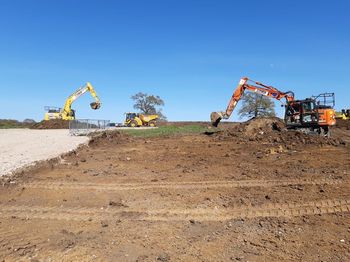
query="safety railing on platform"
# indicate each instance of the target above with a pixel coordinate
(82, 127)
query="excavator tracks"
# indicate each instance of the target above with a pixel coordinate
(152, 213)
(177, 214)
(178, 185)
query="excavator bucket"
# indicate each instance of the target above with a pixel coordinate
(95, 105)
(215, 118)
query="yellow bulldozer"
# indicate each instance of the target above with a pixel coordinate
(137, 120)
(344, 114)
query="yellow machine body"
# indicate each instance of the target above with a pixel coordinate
(137, 120)
(344, 114)
(67, 113)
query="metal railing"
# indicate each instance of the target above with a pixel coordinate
(83, 127)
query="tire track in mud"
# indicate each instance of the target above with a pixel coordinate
(176, 214)
(178, 185)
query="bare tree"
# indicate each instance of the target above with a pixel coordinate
(255, 105)
(149, 104)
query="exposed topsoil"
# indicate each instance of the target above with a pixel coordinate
(272, 130)
(236, 195)
(343, 124)
(109, 137)
(51, 124)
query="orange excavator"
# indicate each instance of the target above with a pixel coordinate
(311, 114)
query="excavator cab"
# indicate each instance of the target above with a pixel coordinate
(315, 113)
(56, 113)
(130, 116)
(132, 120)
(52, 109)
(301, 113)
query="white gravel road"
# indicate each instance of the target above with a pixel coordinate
(22, 147)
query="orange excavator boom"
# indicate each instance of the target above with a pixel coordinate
(252, 86)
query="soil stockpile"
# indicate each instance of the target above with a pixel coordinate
(272, 130)
(52, 124)
(108, 137)
(344, 124)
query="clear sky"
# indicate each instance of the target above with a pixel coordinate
(191, 53)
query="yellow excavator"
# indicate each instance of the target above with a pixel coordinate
(67, 113)
(344, 114)
(136, 120)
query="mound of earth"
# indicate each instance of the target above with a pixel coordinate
(273, 130)
(343, 124)
(52, 124)
(108, 137)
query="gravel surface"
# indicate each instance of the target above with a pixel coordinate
(22, 147)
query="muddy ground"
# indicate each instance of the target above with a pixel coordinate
(242, 194)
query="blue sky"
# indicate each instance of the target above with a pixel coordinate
(191, 53)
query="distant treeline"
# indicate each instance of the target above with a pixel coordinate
(11, 123)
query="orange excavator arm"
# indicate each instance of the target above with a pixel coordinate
(257, 87)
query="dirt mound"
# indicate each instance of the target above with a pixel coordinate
(51, 124)
(255, 127)
(263, 125)
(273, 130)
(108, 137)
(343, 124)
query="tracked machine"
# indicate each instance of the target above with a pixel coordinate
(67, 113)
(314, 114)
(343, 115)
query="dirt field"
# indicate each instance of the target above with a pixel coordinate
(246, 193)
